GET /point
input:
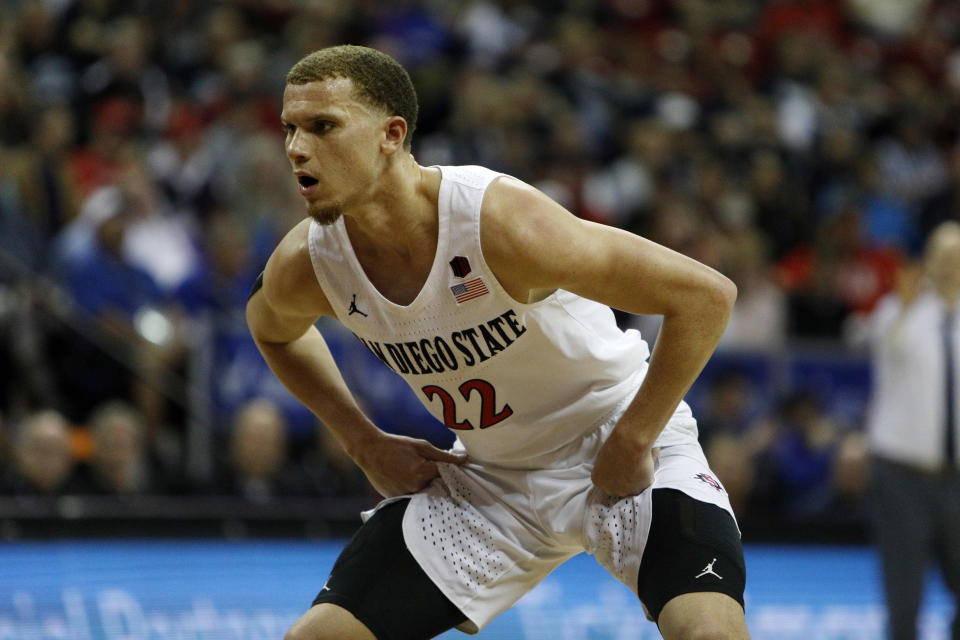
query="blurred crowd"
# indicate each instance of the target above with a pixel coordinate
(805, 148)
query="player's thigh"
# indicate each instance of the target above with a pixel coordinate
(703, 616)
(693, 549)
(381, 587)
(328, 622)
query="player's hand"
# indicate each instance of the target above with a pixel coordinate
(623, 467)
(398, 465)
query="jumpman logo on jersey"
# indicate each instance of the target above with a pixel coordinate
(709, 570)
(353, 307)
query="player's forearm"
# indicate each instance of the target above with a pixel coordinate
(306, 367)
(684, 345)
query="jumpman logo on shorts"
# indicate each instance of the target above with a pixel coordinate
(353, 307)
(709, 570)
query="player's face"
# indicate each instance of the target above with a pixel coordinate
(333, 143)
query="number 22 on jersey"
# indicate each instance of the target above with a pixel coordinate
(489, 415)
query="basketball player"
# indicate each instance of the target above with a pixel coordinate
(493, 303)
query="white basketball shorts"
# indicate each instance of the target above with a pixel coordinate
(487, 535)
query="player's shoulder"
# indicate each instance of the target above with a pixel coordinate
(289, 280)
(524, 235)
(519, 215)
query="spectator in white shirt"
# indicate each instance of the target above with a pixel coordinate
(913, 430)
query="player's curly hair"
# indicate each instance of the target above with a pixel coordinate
(379, 79)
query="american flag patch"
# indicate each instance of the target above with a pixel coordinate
(469, 290)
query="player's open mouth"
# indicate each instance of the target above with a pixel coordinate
(308, 184)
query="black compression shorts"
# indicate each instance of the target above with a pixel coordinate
(378, 581)
(693, 547)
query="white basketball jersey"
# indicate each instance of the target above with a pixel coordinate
(516, 382)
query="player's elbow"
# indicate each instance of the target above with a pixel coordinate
(706, 301)
(726, 293)
(710, 308)
(717, 296)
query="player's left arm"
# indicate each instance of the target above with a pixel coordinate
(533, 245)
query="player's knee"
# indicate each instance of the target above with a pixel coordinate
(704, 628)
(309, 627)
(302, 631)
(297, 633)
(704, 631)
(703, 616)
(305, 632)
(328, 622)
(711, 632)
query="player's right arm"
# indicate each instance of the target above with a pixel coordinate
(281, 316)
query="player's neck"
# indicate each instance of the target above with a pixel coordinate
(402, 211)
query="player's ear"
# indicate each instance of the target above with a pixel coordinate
(395, 130)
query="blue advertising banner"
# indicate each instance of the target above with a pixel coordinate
(215, 590)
